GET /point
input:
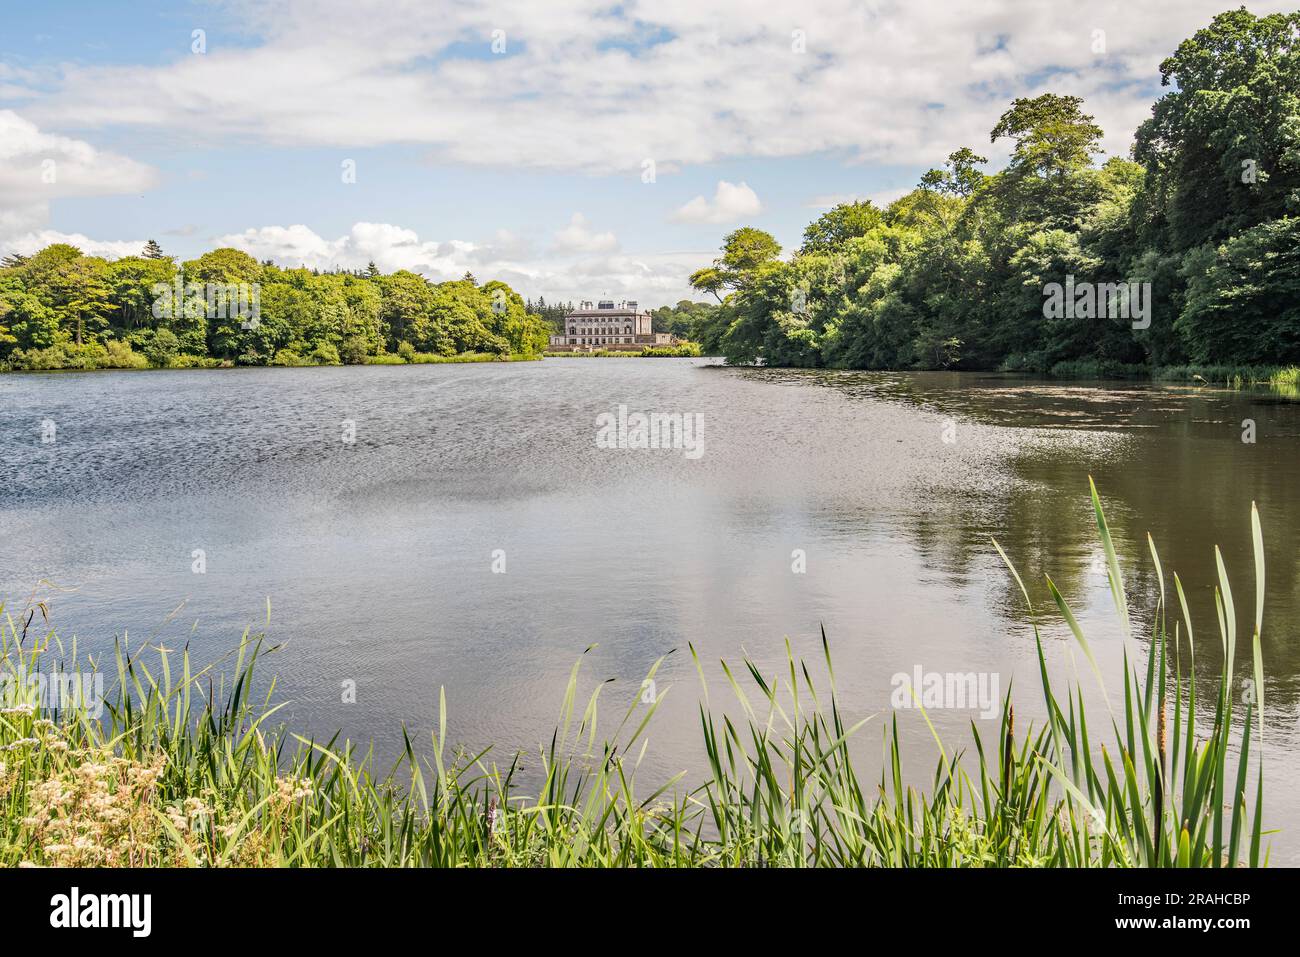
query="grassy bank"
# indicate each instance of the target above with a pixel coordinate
(185, 767)
(1283, 378)
(687, 350)
(119, 355)
(425, 358)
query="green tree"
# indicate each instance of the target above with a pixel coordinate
(1222, 149)
(1049, 180)
(133, 280)
(959, 177)
(75, 287)
(744, 252)
(226, 329)
(406, 299)
(836, 226)
(1243, 299)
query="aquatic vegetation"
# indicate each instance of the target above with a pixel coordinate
(183, 767)
(1284, 379)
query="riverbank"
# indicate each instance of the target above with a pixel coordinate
(688, 350)
(185, 779)
(1281, 377)
(1233, 376)
(426, 358)
(110, 360)
(118, 356)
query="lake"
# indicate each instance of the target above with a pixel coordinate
(460, 526)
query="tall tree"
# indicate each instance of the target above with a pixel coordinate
(1222, 149)
(959, 177)
(744, 252)
(837, 226)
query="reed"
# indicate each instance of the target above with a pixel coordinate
(1284, 379)
(184, 767)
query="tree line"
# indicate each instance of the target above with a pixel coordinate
(1202, 221)
(62, 309)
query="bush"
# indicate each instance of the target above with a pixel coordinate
(187, 361)
(1243, 297)
(115, 354)
(287, 357)
(354, 351)
(326, 355)
(685, 350)
(159, 346)
(120, 355)
(1097, 369)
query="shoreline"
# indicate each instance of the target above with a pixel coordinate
(394, 360)
(1284, 378)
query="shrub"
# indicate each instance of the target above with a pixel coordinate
(159, 346)
(115, 354)
(187, 361)
(354, 351)
(120, 355)
(326, 355)
(287, 357)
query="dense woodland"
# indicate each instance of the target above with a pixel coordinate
(952, 275)
(62, 309)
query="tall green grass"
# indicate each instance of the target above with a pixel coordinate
(184, 767)
(1284, 379)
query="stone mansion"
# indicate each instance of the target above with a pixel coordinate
(604, 325)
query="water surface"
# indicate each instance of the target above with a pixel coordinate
(377, 555)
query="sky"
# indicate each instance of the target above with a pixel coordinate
(576, 150)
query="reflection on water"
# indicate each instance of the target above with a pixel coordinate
(377, 556)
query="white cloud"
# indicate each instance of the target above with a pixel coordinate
(389, 247)
(578, 237)
(831, 200)
(591, 269)
(884, 197)
(731, 203)
(37, 167)
(897, 81)
(880, 198)
(558, 273)
(34, 241)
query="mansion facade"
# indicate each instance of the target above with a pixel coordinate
(605, 326)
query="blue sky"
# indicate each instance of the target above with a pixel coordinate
(511, 138)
